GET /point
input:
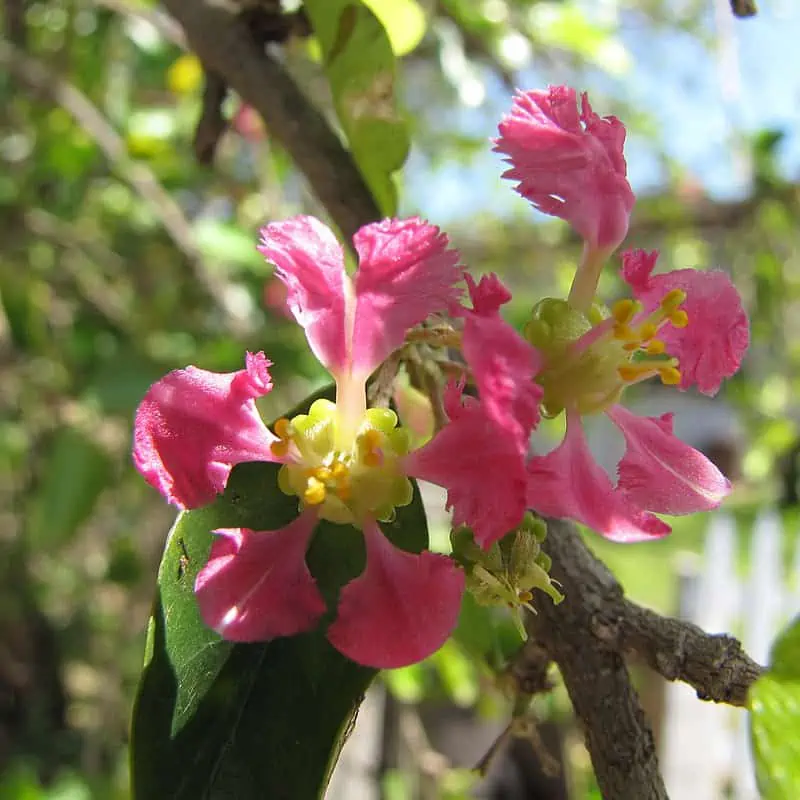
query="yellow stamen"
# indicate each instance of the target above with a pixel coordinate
(339, 470)
(625, 310)
(322, 473)
(314, 493)
(282, 428)
(280, 448)
(370, 443)
(670, 376)
(648, 331)
(631, 346)
(630, 372)
(655, 347)
(680, 319)
(624, 333)
(525, 597)
(672, 300)
(343, 490)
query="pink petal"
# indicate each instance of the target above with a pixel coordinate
(660, 472)
(401, 609)
(309, 260)
(711, 347)
(193, 425)
(568, 483)
(256, 585)
(569, 164)
(502, 363)
(481, 467)
(405, 273)
(637, 267)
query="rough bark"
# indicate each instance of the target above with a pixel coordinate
(225, 45)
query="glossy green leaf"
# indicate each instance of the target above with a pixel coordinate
(76, 472)
(218, 720)
(360, 65)
(403, 20)
(775, 719)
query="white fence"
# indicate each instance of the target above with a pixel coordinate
(706, 747)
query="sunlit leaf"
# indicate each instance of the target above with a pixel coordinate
(361, 70)
(404, 21)
(775, 719)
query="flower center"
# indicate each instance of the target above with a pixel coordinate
(590, 358)
(345, 484)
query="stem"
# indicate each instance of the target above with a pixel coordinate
(584, 284)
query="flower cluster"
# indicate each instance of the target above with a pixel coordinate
(352, 465)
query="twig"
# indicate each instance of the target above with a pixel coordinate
(744, 8)
(38, 77)
(225, 45)
(212, 124)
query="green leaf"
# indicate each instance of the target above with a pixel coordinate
(775, 719)
(76, 472)
(218, 720)
(403, 20)
(360, 66)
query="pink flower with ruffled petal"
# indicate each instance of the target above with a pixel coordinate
(342, 460)
(710, 347)
(660, 472)
(569, 163)
(256, 584)
(684, 327)
(401, 608)
(479, 462)
(502, 362)
(193, 425)
(568, 483)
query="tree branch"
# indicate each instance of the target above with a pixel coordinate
(226, 46)
(617, 733)
(588, 636)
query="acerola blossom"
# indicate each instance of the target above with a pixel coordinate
(479, 456)
(347, 463)
(589, 361)
(569, 163)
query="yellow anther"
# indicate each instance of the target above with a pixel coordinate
(339, 470)
(630, 372)
(631, 346)
(315, 492)
(525, 597)
(680, 319)
(282, 428)
(655, 347)
(670, 376)
(624, 333)
(322, 474)
(625, 310)
(672, 300)
(370, 445)
(280, 448)
(343, 491)
(648, 331)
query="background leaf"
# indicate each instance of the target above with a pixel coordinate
(360, 66)
(214, 719)
(775, 719)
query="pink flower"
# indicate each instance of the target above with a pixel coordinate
(569, 163)
(686, 327)
(345, 463)
(712, 344)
